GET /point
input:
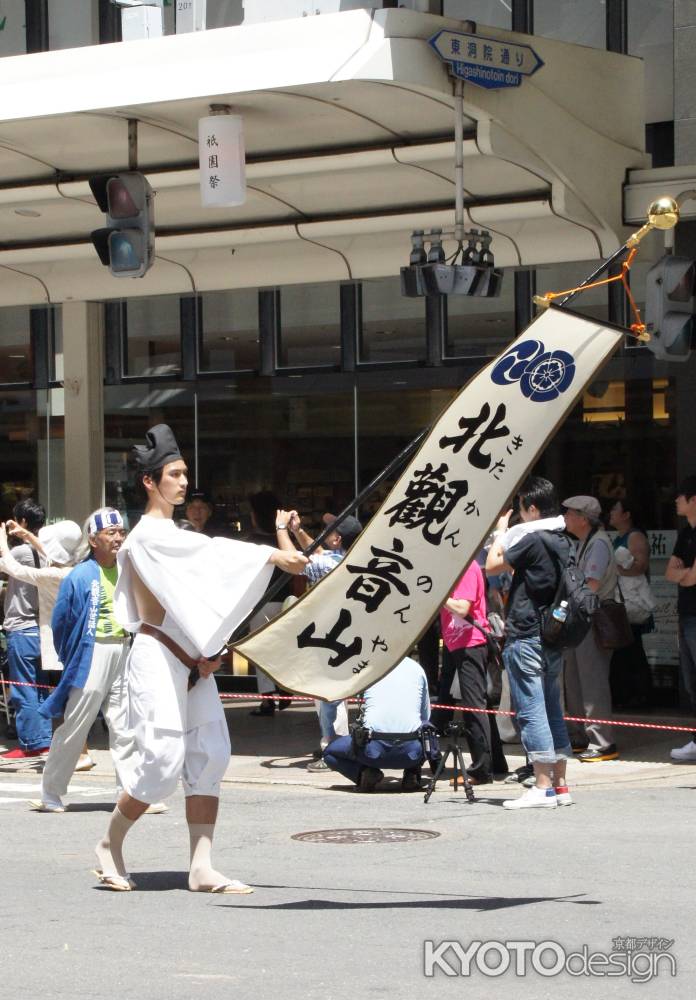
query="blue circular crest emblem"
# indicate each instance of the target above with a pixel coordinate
(548, 376)
(543, 375)
(512, 367)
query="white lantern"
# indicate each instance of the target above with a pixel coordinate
(221, 158)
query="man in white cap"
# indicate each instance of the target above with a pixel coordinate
(183, 595)
(93, 648)
(588, 692)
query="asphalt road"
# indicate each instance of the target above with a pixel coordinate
(350, 920)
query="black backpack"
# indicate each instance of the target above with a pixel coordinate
(582, 602)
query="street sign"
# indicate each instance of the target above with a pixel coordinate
(487, 62)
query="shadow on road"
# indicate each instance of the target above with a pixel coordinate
(479, 903)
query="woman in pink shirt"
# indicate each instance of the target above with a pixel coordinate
(467, 653)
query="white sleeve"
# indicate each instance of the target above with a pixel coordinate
(208, 586)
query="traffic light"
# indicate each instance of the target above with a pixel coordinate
(475, 274)
(127, 245)
(670, 304)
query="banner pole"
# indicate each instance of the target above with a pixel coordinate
(390, 469)
(663, 214)
(604, 266)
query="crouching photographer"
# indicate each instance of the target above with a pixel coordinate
(393, 732)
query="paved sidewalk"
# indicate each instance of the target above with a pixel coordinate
(277, 749)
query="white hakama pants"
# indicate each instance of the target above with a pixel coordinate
(177, 733)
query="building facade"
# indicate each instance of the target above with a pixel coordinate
(273, 337)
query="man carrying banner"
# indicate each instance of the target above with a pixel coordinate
(182, 594)
(534, 670)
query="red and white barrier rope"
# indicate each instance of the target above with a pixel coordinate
(455, 708)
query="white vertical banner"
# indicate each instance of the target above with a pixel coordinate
(363, 618)
(222, 160)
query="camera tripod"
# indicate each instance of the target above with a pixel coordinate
(455, 731)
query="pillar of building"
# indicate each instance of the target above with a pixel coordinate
(83, 367)
(685, 233)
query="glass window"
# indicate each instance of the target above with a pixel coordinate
(15, 346)
(230, 331)
(13, 36)
(153, 336)
(50, 454)
(229, 12)
(478, 327)
(129, 410)
(293, 437)
(56, 350)
(497, 13)
(604, 402)
(169, 18)
(580, 21)
(388, 418)
(622, 427)
(651, 36)
(225, 13)
(393, 325)
(18, 449)
(310, 325)
(73, 24)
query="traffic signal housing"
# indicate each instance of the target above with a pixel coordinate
(430, 274)
(126, 245)
(670, 304)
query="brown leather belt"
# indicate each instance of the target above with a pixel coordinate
(174, 648)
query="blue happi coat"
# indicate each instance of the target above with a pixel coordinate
(74, 625)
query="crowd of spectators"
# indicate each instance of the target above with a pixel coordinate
(499, 602)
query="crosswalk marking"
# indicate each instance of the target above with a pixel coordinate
(34, 788)
(20, 786)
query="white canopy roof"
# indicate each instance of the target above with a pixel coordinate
(348, 122)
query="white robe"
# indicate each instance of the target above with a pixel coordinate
(206, 587)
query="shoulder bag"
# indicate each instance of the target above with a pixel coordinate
(612, 628)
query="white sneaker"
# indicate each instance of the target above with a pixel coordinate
(85, 763)
(47, 804)
(534, 798)
(685, 754)
(563, 796)
(156, 808)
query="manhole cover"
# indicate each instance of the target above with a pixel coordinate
(365, 835)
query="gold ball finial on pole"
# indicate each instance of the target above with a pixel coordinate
(663, 213)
